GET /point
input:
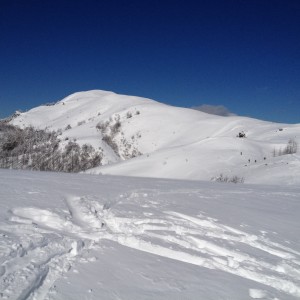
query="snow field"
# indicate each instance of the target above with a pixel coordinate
(62, 224)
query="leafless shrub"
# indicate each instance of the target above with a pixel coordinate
(81, 123)
(110, 142)
(115, 128)
(233, 179)
(290, 148)
(102, 126)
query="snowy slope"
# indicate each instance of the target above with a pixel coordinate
(78, 236)
(171, 142)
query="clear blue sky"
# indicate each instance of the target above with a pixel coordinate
(243, 54)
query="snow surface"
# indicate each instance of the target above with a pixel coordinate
(174, 142)
(79, 236)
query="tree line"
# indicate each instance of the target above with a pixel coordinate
(42, 150)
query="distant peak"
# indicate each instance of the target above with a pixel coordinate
(87, 94)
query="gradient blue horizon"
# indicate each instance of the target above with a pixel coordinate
(244, 55)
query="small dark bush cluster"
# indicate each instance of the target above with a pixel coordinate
(129, 149)
(102, 126)
(241, 134)
(50, 104)
(233, 179)
(115, 128)
(37, 149)
(109, 129)
(81, 123)
(11, 117)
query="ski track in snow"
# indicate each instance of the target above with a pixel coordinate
(52, 241)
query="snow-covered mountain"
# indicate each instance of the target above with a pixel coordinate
(142, 137)
(83, 236)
